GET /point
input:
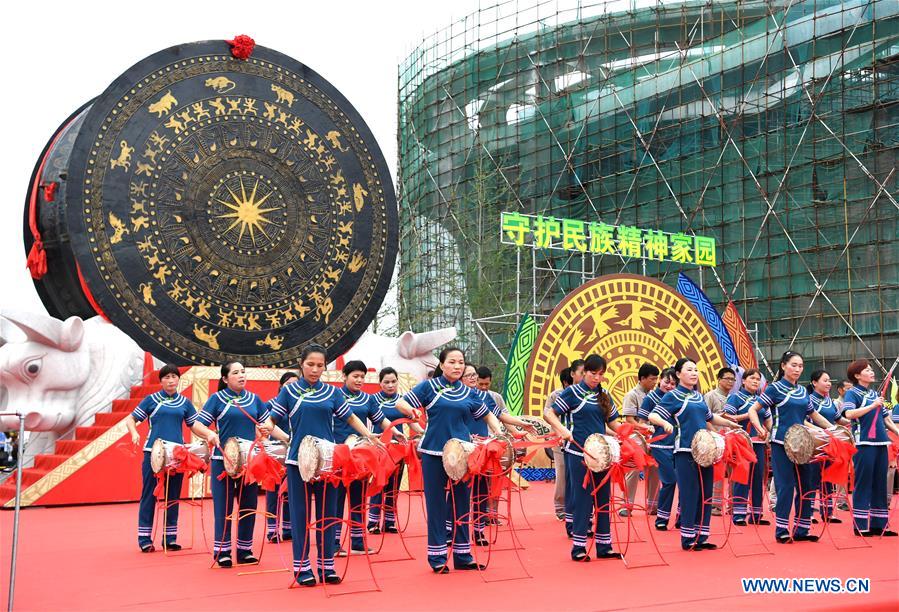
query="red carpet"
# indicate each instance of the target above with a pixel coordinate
(82, 558)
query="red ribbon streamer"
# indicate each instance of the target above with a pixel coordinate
(184, 462)
(836, 456)
(738, 455)
(486, 460)
(264, 469)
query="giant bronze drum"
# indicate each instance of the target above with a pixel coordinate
(215, 208)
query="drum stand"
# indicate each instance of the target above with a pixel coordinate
(382, 508)
(233, 518)
(491, 520)
(325, 524)
(614, 521)
(162, 509)
(729, 509)
(842, 543)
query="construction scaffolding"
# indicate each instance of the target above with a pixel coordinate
(772, 126)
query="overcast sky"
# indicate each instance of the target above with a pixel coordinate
(60, 54)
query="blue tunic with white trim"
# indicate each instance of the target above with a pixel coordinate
(587, 417)
(363, 406)
(871, 429)
(167, 414)
(648, 404)
(447, 405)
(310, 411)
(235, 416)
(690, 412)
(387, 406)
(739, 403)
(824, 406)
(789, 403)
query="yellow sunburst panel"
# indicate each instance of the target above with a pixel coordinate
(629, 320)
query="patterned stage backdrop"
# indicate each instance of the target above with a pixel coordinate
(742, 342)
(701, 302)
(519, 356)
(629, 320)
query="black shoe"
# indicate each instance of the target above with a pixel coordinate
(609, 555)
(330, 578)
(661, 526)
(391, 529)
(473, 565)
(763, 522)
(888, 534)
(480, 540)
(224, 561)
(579, 553)
(834, 520)
(862, 534)
(147, 548)
(308, 580)
(374, 529)
(272, 538)
(740, 522)
(706, 546)
(784, 539)
(814, 521)
(246, 558)
(440, 569)
(805, 538)
(172, 546)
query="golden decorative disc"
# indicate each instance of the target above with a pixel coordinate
(629, 320)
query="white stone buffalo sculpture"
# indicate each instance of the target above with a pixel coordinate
(61, 373)
(410, 353)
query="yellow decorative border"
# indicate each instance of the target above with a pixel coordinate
(199, 377)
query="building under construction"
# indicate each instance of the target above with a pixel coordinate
(772, 127)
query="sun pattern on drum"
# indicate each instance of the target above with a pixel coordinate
(629, 320)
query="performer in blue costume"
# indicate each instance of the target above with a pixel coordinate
(167, 412)
(592, 411)
(870, 515)
(237, 413)
(446, 401)
(819, 397)
(310, 407)
(737, 407)
(662, 450)
(367, 410)
(272, 531)
(688, 409)
(788, 402)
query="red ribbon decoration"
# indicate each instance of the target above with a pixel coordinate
(241, 46)
(836, 456)
(631, 452)
(264, 469)
(738, 455)
(185, 463)
(486, 461)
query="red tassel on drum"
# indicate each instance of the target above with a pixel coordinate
(836, 457)
(738, 456)
(264, 469)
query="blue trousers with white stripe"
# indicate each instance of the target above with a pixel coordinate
(355, 512)
(790, 481)
(224, 492)
(585, 502)
(300, 495)
(435, 479)
(748, 497)
(147, 506)
(384, 503)
(569, 495)
(668, 479)
(869, 497)
(695, 485)
(271, 510)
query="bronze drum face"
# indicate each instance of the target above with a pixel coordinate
(219, 209)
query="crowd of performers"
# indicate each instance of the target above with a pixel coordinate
(670, 403)
(456, 402)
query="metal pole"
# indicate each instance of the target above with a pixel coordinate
(15, 524)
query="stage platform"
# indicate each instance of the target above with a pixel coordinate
(86, 558)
